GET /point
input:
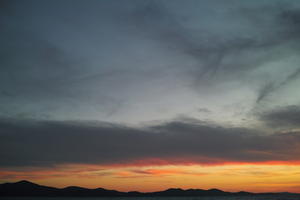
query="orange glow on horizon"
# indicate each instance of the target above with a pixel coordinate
(255, 177)
(191, 161)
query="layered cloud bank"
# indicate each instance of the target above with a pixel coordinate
(50, 143)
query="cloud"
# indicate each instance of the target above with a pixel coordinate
(288, 116)
(204, 110)
(285, 20)
(162, 172)
(272, 87)
(265, 91)
(100, 60)
(50, 143)
(222, 55)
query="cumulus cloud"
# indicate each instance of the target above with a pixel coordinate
(48, 143)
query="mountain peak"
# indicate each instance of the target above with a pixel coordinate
(174, 189)
(74, 188)
(215, 190)
(25, 182)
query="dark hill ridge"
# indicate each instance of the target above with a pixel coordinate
(26, 188)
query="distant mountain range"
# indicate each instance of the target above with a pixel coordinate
(26, 188)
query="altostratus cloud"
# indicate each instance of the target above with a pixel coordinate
(46, 143)
(287, 116)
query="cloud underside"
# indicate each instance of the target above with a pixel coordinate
(49, 143)
(288, 116)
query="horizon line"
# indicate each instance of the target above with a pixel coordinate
(171, 188)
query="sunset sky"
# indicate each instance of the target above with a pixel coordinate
(151, 94)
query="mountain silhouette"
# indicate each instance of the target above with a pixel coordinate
(26, 188)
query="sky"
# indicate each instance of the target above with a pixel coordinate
(151, 94)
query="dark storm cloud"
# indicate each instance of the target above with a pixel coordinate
(288, 116)
(46, 143)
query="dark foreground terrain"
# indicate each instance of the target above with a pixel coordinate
(29, 189)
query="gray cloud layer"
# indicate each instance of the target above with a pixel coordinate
(136, 61)
(46, 143)
(102, 59)
(288, 116)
